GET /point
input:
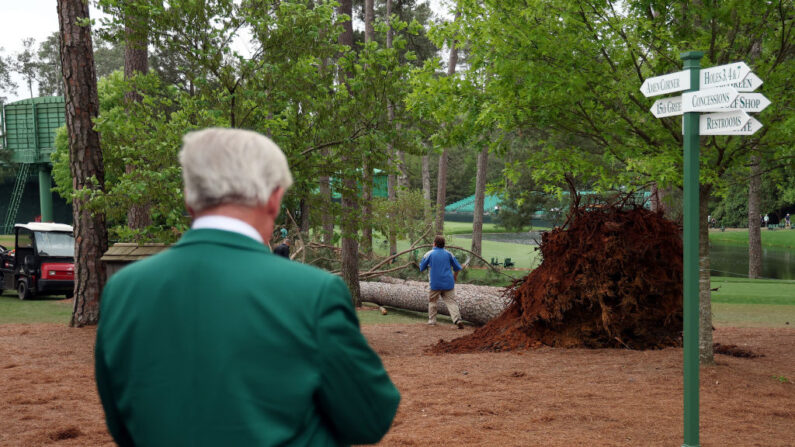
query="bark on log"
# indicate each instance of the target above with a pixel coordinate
(478, 304)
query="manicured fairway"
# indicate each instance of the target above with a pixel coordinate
(770, 238)
(44, 310)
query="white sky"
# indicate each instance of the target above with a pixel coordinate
(20, 19)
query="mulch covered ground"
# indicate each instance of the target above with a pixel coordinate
(545, 396)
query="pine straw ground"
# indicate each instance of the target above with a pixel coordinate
(545, 396)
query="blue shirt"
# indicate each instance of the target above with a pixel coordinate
(440, 261)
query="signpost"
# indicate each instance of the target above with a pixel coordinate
(667, 107)
(692, 63)
(749, 84)
(750, 128)
(724, 75)
(722, 123)
(750, 102)
(672, 106)
(670, 83)
(708, 100)
(720, 95)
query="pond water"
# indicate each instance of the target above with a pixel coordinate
(732, 260)
(725, 259)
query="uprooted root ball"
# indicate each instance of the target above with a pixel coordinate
(612, 278)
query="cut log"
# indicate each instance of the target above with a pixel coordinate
(478, 304)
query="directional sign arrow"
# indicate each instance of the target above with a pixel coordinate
(709, 99)
(723, 74)
(669, 83)
(750, 83)
(723, 123)
(750, 102)
(750, 128)
(667, 107)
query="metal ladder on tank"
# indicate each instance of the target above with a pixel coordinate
(16, 198)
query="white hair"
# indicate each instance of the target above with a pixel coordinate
(231, 166)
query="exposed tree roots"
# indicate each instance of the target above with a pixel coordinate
(611, 278)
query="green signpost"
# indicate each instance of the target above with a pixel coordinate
(692, 63)
(727, 117)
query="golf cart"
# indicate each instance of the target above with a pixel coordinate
(42, 262)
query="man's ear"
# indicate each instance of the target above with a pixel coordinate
(190, 211)
(275, 202)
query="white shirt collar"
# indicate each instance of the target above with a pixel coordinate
(225, 223)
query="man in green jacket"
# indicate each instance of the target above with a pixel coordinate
(218, 342)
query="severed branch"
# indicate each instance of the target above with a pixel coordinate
(367, 275)
(411, 248)
(303, 257)
(372, 271)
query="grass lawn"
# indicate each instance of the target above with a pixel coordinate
(770, 238)
(742, 302)
(40, 310)
(466, 228)
(737, 303)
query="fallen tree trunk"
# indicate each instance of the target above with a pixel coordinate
(478, 304)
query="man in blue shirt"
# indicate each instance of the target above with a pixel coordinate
(443, 280)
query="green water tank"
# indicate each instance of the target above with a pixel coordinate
(29, 128)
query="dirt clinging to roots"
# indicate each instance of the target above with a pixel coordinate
(610, 278)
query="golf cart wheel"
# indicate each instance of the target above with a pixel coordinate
(23, 290)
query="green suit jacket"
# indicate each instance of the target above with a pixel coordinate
(218, 342)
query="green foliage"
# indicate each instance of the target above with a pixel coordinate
(6, 84)
(567, 73)
(140, 145)
(25, 63)
(48, 66)
(405, 216)
(286, 88)
(108, 57)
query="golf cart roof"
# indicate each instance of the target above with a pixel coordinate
(41, 226)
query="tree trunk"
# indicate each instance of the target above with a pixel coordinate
(754, 224)
(705, 350)
(478, 304)
(480, 197)
(369, 19)
(391, 181)
(136, 61)
(367, 174)
(367, 206)
(350, 220)
(85, 157)
(403, 177)
(303, 222)
(441, 192)
(327, 217)
(426, 186)
(389, 32)
(656, 198)
(441, 185)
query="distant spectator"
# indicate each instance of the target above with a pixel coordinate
(283, 232)
(787, 221)
(283, 249)
(766, 219)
